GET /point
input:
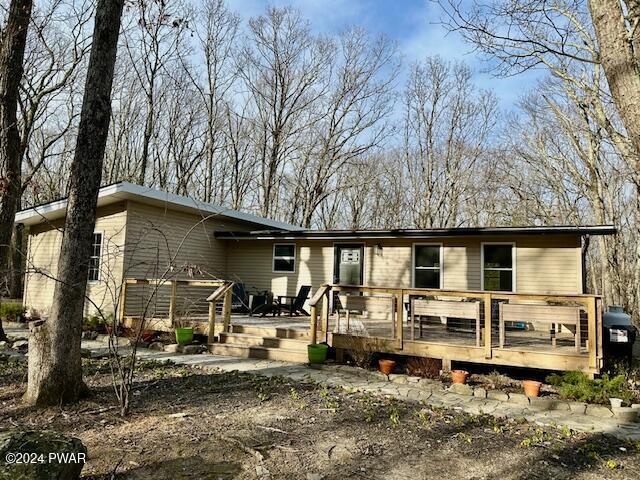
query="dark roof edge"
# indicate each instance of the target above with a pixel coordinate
(415, 233)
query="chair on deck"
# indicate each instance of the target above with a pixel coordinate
(240, 299)
(294, 304)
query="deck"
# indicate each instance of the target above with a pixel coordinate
(558, 332)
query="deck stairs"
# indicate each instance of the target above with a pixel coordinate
(263, 342)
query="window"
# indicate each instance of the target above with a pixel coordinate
(427, 265)
(497, 267)
(284, 257)
(94, 259)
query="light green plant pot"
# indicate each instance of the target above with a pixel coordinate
(317, 352)
(184, 335)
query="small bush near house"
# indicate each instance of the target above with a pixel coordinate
(424, 367)
(11, 311)
(577, 386)
(93, 322)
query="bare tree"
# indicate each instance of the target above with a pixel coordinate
(14, 39)
(55, 368)
(447, 129)
(353, 119)
(571, 39)
(284, 68)
(151, 44)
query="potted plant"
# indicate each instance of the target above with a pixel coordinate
(386, 366)
(184, 333)
(615, 402)
(317, 352)
(459, 376)
(531, 388)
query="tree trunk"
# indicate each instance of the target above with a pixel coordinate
(621, 63)
(14, 39)
(55, 368)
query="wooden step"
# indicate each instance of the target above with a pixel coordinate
(256, 351)
(276, 332)
(271, 342)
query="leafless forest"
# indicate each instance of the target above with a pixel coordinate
(339, 131)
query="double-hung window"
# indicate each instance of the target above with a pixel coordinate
(94, 259)
(284, 257)
(498, 267)
(427, 266)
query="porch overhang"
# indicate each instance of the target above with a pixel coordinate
(418, 233)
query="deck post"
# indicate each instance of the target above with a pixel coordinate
(172, 301)
(487, 326)
(591, 324)
(314, 327)
(212, 322)
(399, 318)
(599, 331)
(226, 310)
(325, 315)
(122, 302)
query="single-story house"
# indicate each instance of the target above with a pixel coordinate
(141, 232)
(146, 233)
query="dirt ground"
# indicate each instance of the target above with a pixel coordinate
(187, 424)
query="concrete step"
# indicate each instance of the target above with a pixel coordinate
(256, 351)
(271, 342)
(276, 332)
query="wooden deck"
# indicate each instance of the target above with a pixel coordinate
(557, 332)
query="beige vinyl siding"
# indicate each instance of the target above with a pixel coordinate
(43, 254)
(170, 244)
(549, 265)
(251, 262)
(544, 264)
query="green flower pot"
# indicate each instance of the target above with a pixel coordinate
(184, 335)
(317, 352)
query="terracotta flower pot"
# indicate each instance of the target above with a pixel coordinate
(386, 366)
(531, 388)
(459, 376)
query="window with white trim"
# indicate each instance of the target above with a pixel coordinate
(94, 259)
(427, 264)
(284, 257)
(497, 267)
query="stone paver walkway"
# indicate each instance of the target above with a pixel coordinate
(410, 389)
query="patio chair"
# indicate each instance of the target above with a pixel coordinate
(294, 304)
(240, 302)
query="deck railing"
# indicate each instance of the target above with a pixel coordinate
(159, 303)
(529, 330)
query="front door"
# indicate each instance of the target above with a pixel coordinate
(348, 264)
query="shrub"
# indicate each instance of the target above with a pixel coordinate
(361, 353)
(11, 311)
(93, 322)
(577, 386)
(424, 367)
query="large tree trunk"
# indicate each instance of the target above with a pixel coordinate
(619, 43)
(55, 369)
(14, 39)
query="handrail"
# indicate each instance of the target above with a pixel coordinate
(225, 290)
(222, 289)
(321, 294)
(163, 281)
(323, 290)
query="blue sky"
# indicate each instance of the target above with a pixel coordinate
(412, 23)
